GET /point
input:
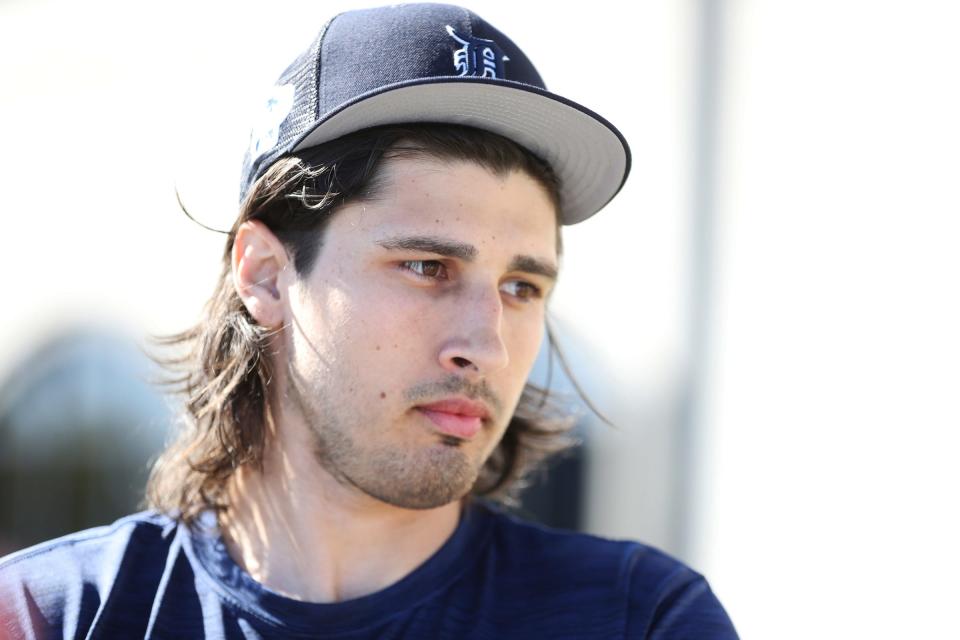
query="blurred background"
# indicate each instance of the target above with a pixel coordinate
(768, 312)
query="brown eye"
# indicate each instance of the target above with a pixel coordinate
(521, 290)
(427, 268)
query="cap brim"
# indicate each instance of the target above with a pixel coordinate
(591, 158)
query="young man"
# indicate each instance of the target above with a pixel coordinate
(360, 376)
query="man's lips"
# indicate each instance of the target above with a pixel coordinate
(458, 417)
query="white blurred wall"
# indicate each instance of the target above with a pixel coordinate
(830, 493)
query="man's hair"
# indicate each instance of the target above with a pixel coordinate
(221, 365)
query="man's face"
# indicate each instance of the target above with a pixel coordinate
(410, 340)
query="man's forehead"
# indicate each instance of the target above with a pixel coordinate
(403, 162)
(461, 186)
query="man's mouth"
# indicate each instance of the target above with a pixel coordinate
(458, 417)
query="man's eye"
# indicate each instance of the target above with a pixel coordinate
(426, 268)
(522, 290)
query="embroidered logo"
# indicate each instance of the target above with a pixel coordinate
(478, 57)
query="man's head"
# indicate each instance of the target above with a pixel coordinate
(384, 284)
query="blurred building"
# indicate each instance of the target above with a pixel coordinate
(78, 424)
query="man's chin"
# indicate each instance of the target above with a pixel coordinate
(430, 484)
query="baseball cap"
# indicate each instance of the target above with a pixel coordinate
(435, 63)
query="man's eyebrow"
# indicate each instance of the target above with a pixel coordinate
(529, 264)
(431, 244)
(465, 252)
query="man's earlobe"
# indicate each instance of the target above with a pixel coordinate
(259, 259)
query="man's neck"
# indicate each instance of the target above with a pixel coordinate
(309, 537)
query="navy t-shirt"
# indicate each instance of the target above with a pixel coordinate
(496, 577)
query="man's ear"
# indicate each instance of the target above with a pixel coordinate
(259, 261)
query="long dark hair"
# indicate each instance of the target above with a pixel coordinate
(220, 364)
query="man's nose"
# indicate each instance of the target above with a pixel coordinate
(473, 345)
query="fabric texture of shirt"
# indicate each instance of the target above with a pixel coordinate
(146, 576)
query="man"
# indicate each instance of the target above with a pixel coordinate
(359, 376)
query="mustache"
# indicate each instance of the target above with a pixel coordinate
(451, 385)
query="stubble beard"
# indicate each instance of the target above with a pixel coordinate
(416, 477)
(424, 479)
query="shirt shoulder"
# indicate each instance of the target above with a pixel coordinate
(669, 600)
(57, 588)
(627, 588)
(552, 553)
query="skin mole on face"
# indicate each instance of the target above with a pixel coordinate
(383, 394)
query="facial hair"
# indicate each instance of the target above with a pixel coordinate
(416, 477)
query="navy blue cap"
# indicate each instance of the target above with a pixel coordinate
(442, 64)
